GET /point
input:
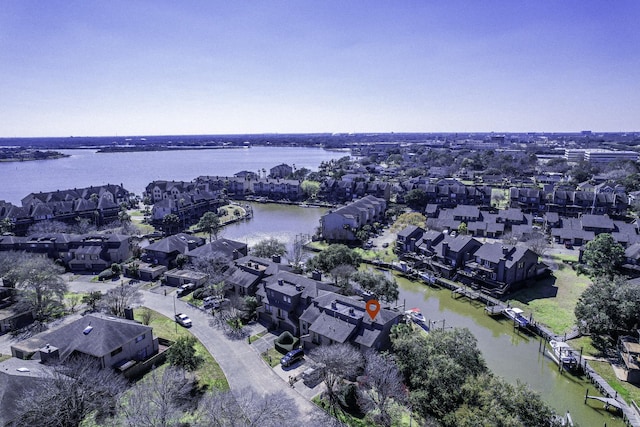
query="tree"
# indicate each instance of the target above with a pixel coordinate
(116, 269)
(117, 299)
(48, 226)
(607, 309)
(539, 244)
(268, 247)
(409, 218)
(434, 367)
(381, 388)
(41, 289)
(462, 228)
(334, 256)
(158, 400)
(146, 315)
(602, 256)
(92, 299)
(339, 361)
(6, 226)
(181, 260)
(310, 188)
(77, 388)
(296, 253)
(487, 397)
(246, 408)
(183, 353)
(170, 223)
(381, 285)
(416, 199)
(341, 275)
(210, 224)
(214, 266)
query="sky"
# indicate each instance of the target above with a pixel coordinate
(104, 68)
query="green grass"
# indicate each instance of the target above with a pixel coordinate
(4, 357)
(552, 301)
(319, 245)
(627, 391)
(209, 374)
(256, 337)
(385, 255)
(272, 357)
(406, 418)
(586, 345)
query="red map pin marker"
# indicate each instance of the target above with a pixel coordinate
(373, 307)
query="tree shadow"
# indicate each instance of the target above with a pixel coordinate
(536, 289)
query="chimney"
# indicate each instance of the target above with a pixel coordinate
(275, 258)
(445, 248)
(505, 250)
(316, 275)
(128, 313)
(280, 282)
(48, 354)
(334, 304)
(236, 254)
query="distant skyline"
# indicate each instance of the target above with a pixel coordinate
(78, 68)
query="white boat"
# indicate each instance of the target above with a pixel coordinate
(515, 314)
(563, 353)
(416, 315)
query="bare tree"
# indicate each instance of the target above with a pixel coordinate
(229, 318)
(214, 266)
(41, 286)
(246, 408)
(72, 302)
(381, 388)
(146, 315)
(117, 299)
(159, 400)
(296, 253)
(538, 244)
(340, 361)
(77, 388)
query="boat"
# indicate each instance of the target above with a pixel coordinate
(416, 315)
(304, 205)
(515, 314)
(563, 353)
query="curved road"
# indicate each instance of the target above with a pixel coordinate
(242, 365)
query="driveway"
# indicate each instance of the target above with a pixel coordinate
(241, 364)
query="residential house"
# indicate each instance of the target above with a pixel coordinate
(499, 267)
(178, 277)
(408, 237)
(448, 254)
(280, 171)
(334, 318)
(342, 224)
(165, 251)
(220, 248)
(285, 296)
(111, 341)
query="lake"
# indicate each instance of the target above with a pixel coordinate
(135, 170)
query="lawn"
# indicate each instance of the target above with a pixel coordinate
(552, 300)
(209, 374)
(627, 391)
(385, 255)
(272, 357)
(354, 419)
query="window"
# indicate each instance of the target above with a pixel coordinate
(140, 338)
(116, 351)
(287, 299)
(267, 308)
(521, 264)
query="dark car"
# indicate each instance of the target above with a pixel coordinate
(292, 357)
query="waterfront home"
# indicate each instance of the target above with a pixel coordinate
(334, 318)
(221, 248)
(87, 252)
(499, 267)
(280, 171)
(165, 251)
(285, 296)
(447, 255)
(246, 273)
(342, 224)
(408, 238)
(109, 340)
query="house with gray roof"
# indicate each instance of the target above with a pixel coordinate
(110, 340)
(498, 267)
(342, 224)
(166, 250)
(334, 318)
(285, 296)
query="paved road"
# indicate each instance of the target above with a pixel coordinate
(240, 363)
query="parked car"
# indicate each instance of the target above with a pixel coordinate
(185, 289)
(183, 319)
(213, 302)
(292, 357)
(312, 376)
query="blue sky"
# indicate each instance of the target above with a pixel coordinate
(214, 67)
